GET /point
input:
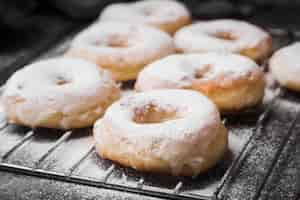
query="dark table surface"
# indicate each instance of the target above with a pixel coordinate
(20, 187)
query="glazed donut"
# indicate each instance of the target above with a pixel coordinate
(284, 66)
(232, 81)
(224, 35)
(122, 48)
(156, 131)
(58, 93)
(167, 15)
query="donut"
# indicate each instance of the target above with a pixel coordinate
(156, 131)
(167, 15)
(233, 82)
(60, 93)
(122, 48)
(285, 68)
(224, 35)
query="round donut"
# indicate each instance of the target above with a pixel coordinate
(156, 131)
(232, 81)
(285, 68)
(167, 15)
(58, 93)
(224, 35)
(122, 48)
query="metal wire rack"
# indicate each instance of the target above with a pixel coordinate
(70, 156)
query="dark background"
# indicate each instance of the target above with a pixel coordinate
(17, 14)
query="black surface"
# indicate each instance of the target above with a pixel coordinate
(18, 47)
(16, 14)
(20, 187)
(284, 179)
(285, 17)
(254, 174)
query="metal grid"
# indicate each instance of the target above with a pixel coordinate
(173, 190)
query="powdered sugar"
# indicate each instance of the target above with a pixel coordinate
(178, 71)
(177, 141)
(142, 44)
(53, 86)
(192, 110)
(284, 64)
(146, 12)
(199, 37)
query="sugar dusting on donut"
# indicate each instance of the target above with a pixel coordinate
(285, 67)
(169, 15)
(41, 78)
(175, 141)
(178, 71)
(58, 88)
(224, 35)
(168, 100)
(146, 11)
(288, 55)
(122, 48)
(140, 39)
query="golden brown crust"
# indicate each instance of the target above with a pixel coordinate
(54, 120)
(225, 92)
(292, 86)
(148, 163)
(121, 69)
(171, 28)
(192, 140)
(123, 48)
(238, 37)
(261, 52)
(232, 87)
(72, 93)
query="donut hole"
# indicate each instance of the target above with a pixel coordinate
(117, 44)
(147, 11)
(153, 114)
(117, 41)
(20, 87)
(225, 35)
(59, 80)
(201, 71)
(113, 41)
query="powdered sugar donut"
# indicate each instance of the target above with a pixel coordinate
(167, 15)
(284, 66)
(232, 81)
(58, 93)
(122, 48)
(224, 35)
(156, 131)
